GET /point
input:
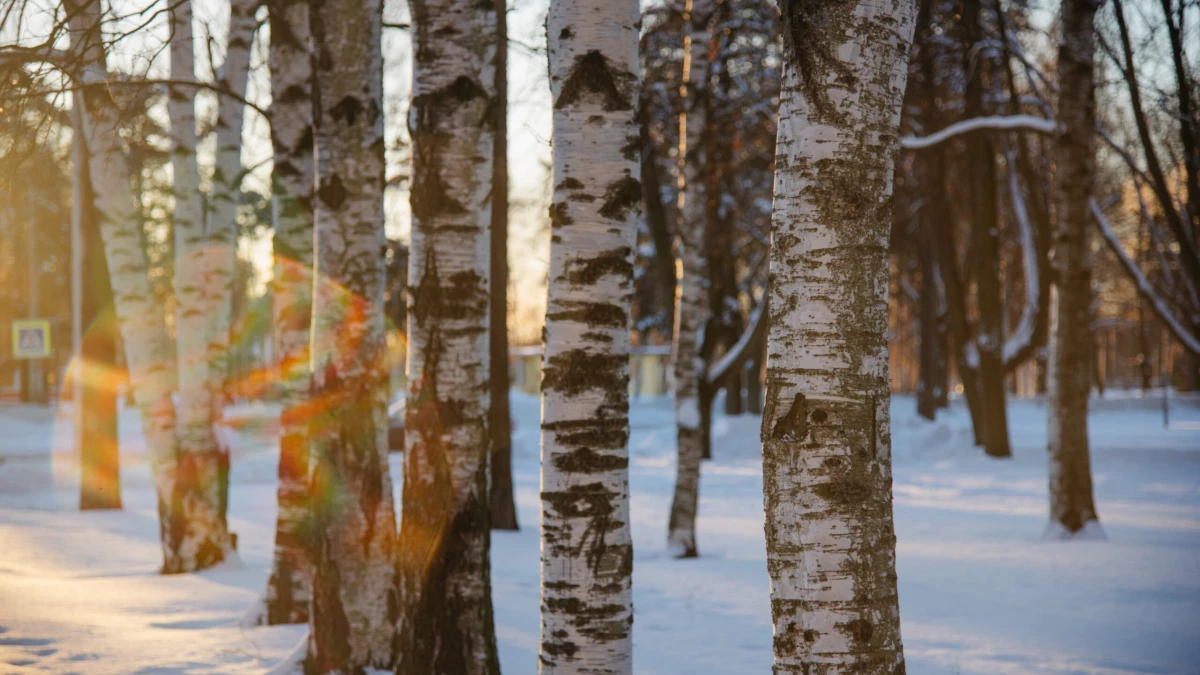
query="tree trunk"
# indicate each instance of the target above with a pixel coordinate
(826, 431)
(289, 588)
(503, 505)
(149, 354)
(351, 530)
(690, 293)
(981, 160)
(587, 550)
(220, 222)
(928, 384)
(1071, 503)
(445, 623)
(95, 388)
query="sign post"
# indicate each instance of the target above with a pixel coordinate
(31, 339)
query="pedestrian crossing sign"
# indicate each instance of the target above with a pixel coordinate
(31, 338)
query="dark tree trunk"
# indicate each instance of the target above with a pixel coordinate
(95, 391)
(929, 386)
(981, 170)
(1072, 505)
(503, 507)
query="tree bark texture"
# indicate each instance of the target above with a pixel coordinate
(446, 623)
(691, 294)
(289, 588)
(201, 487)
(587, 551)
(826, 431)
(149, 354)
(503, 504)
(1071, 503)
(351, 530)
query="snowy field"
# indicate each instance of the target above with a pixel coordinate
(980, 592)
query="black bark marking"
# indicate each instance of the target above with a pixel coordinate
(593, 74)
(793, 426)
(594, 314)
(621, 197)
(586, 460)
(332, 192)
(807, 27)
(613, 261)
(602, 433)
(558, 215)
(576, 371)
(462, 296)
(859, 629)
(347, 109)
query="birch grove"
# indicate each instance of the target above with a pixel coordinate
(289, 588)
(690, 288)
(445, 605)
(825, 428)
(350, 533)
(587, 552)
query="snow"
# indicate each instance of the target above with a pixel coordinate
(1029, 122)
(980, 590)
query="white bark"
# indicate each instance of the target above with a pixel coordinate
(827, 444)
(221, 218)
(445, 622)
(445, 585)
(289, 589)
(587, 552)
(690, 288)
(352, 528)
(149, 354)
(204, 540)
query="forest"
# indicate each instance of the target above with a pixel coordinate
(366, 336)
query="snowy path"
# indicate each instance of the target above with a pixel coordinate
(979, 591)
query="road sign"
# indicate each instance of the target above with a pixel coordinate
(31, 338)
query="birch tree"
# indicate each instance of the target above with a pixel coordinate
(445, 622)
(220, 220)
(690, 292)
(289, 587)
(826, 432)
(351, 530)
(587, 552)
(149, 354)
(201, 486)
(1071, 503)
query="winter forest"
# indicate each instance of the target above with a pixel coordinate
(459, 337)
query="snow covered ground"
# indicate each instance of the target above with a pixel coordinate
(980, 591)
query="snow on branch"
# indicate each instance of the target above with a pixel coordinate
(1190, 341)
(1022, 337)
(1028, 122)
(737, 353)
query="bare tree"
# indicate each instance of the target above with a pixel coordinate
(826, 428)
(351, 530)
(445, 620)
(587, 552)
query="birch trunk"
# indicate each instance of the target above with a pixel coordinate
(445, 579)
(149, 354)
(587, 552)
(1072, 507)
(351, 531)
(220, 220)
(289, 588)
(690, 292)
(201, 489)
(826, 432)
